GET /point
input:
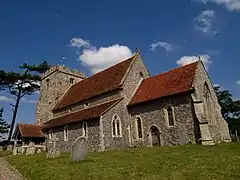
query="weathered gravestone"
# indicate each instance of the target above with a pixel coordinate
(15, 148)
(53, 153)
(30, 149)
(79, 149)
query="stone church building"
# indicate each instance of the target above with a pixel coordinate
(123, 106)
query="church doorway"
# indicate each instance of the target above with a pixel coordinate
(154, 136)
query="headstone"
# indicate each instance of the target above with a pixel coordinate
(79, 149)
(30, 149)
(52, 153)
(15, 148)
(39, 151)
(22, 150)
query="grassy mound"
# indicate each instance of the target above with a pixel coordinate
(178, 162)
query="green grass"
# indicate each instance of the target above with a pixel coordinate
(5, 153)
(178, 162)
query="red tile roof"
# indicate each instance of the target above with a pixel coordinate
(86, 114)
(102, 82)
(30, 130)
(172, 82)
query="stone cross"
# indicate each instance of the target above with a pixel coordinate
(52, 153)
(54, 141)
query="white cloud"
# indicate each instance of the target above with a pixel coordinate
(104, 57)
(232, 5)
(206, 22)
(79, 42)
(11, 100)
(98, 59)
(238, 82)
(6, 99)
(165, 45)
(216, 85)
(31, 101)
(205, 58)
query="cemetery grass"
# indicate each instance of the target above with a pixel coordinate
(176, 162)
(5, 153)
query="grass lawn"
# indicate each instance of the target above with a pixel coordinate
(5, 153)
(177, 162)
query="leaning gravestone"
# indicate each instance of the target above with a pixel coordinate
(79, 149)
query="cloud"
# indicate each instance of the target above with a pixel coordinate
(231, 5)
(207, 22)
(104, 57)
(205, 58)
(164, 45)
(216, 85)
(238, 82)
(31, 101)
(98, 59)
(6, 99)
(79, 42)
(11, 100)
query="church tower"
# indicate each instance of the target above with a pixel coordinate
(54, 83)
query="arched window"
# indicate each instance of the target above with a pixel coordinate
(116, 126)
(84, 129)
(139, 128)
(113, 128)
(170, 116)
(65, 133)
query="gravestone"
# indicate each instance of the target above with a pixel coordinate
(53, 153)
(30, 149)
(15, 148)
(39, 151)
(79, 149)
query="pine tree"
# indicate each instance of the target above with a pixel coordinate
(4, 126)
(21, 84)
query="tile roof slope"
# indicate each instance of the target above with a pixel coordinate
(102, 82)
(86, 114)
(30, 130)
(172, 82)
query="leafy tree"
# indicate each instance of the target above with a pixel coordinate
(21, 84)
(230, 109)
(4, 126)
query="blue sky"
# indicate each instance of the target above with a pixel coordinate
(91, 35)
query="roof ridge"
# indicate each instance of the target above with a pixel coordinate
(181, 67)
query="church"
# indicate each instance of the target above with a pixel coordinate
(124, 107)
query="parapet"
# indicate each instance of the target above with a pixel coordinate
(63, 69)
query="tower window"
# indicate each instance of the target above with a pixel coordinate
(170, 116)
(141, 74)
(71, 80)
(47, 82)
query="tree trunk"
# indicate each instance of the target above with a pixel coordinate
(14, 115)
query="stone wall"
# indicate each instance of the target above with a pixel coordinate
(217, 126)
(75, 131)
(53, 85)
(153, 113)
(134, 77)
(109, 141)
